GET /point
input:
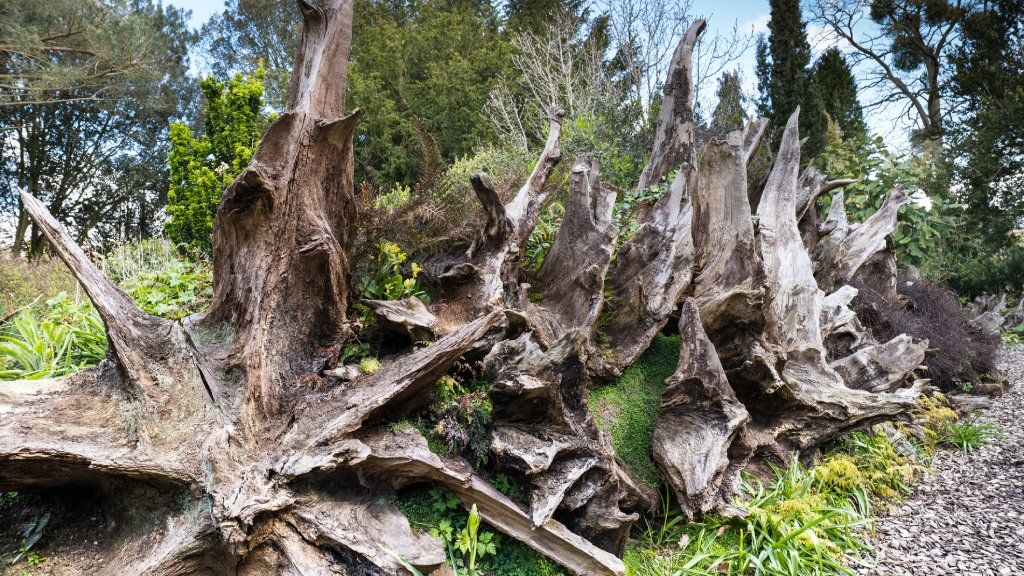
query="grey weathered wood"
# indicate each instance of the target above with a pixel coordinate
(699, 419)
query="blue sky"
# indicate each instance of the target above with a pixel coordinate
(721, 14)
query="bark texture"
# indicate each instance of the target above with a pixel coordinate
(289, 465)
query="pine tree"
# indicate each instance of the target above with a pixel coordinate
(784, 75)
(837, 88)
(729, 113)
(534, 15)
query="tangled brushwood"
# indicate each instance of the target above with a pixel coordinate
(279, 462)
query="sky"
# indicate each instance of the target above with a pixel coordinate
(722, 15)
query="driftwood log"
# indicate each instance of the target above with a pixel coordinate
(276, 466)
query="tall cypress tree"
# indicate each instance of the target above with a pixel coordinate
(837, 88)
(785, 77)
(729, 113)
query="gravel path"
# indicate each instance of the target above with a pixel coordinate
(967, 516)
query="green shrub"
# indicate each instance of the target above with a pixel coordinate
(627, 409)
(922, 226)
(202, 166)
(175, 291)
(68, 337)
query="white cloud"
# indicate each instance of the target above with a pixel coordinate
(822, 38)
(758, 25)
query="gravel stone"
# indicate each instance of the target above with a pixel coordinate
(966, 517)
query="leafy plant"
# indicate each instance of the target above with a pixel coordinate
(173, 291)
(388, 281)
(1013, 336)
(625, 210)
(543, 235)
(30, 536)
(69, 337)
(967, 435)
(922, 223)
(460, 417)
(436, 510)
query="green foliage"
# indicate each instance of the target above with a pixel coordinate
(249, 33)
(987, 85)
(202, 166)
(156, 277)
(173, 292)
(837, 88)
(967, 435)
(785, 79)
(619, 148)
(1013, 336)
(804, 521)
(921, 228)
(441, 513)
(458, 418)
(870, 463)
(95, 55)
(627, 409)
(543, 235)
(31, 536)
(65, 338)
(434, 60)
(730, 113)
(91, 104)
(790, 527)
(399, 195)
(388, 281)
(65, 334)
(624, 211)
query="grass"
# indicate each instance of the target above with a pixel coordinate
(791, 525)
(967, 435)
(627, 409)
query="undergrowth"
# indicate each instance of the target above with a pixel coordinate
(627, 409)
(805, 520)
(62, 333)
(440, 513)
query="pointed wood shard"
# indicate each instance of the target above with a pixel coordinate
(673, 141)
(573, 272)
(133, 333)
(699, 419)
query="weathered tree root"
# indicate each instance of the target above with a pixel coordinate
(286, 469)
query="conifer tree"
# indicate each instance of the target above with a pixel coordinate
(837, 88)
(729, 113)
(784, 75)
(202, 166)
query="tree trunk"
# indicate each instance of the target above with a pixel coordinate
(282, 463)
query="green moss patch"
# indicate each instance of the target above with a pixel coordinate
(627, 409)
